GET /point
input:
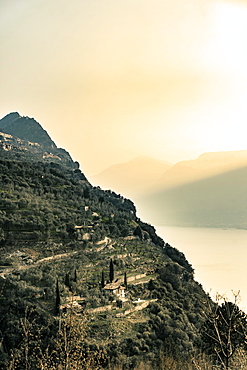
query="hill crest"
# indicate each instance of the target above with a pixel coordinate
(62, 241)
(25, 136)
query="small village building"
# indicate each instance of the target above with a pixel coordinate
(115, 289)
(83, 232)
(73, 302)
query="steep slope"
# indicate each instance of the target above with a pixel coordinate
(9, 118)
(24, 135)
(58, 237)
(26, 128)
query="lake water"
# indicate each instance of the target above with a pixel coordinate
(218, 256)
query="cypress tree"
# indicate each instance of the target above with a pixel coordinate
(111, 276)
(138, 232)
(125, 280)
(58, 300)
(75, 276)
(102, 279)
(67, 280)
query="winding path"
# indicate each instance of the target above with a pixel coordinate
(9, 270)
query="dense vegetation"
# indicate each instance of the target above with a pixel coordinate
(41, 199)
(62, 242)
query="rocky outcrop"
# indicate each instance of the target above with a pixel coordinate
(27, 135)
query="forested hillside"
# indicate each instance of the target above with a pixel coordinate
(84, 283)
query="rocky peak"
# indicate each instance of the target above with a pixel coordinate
(27, 129)
(8, 119)
(25, 135)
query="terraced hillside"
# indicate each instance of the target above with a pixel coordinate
(82, 279)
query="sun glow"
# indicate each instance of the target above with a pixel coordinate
(227, 49)
(159, 78)
(218, 122)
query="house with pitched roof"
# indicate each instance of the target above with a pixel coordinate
(115, 289)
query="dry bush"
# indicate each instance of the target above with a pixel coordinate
(66, 351)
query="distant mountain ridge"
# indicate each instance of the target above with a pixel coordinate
(24, 134)
(217, 201)
(145, 175)
(206, 165)
(209, 191)
(134, 177)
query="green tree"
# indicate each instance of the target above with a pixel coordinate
(102, 279)
(138, 232)
(1, 234)
(58, 300)
(75, 276)
(111, 275)
(125, 280)
(67, 280)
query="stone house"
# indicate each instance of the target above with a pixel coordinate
(115, 289)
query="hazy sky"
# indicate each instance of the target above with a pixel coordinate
(113, 79)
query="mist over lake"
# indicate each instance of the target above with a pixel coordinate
(218, 256)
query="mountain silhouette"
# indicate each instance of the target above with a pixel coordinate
(132, 178)
(216, 201)
(208, 191)
(26, 134)
(206, 165)
(27, 129)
